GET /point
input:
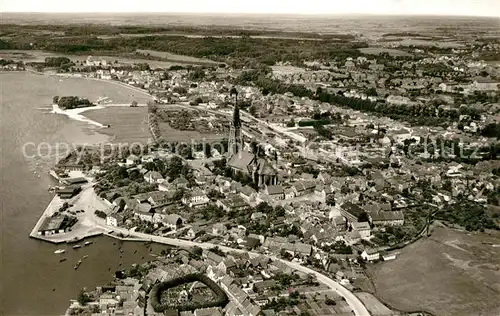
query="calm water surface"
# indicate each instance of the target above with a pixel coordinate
(32, 280)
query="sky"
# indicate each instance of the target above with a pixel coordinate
(426, 7)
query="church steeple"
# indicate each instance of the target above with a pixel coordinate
(235, 143)
(236, 116)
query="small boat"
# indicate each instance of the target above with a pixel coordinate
(78, 264)
(88, 243)
(77, 246)
(63, 259)
(60, 251)
(85, 257)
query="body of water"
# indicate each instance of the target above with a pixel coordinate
(32, 280)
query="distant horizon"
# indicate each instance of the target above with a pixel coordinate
(465, 8)
(257, 14)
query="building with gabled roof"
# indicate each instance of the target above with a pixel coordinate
(383, 218)
(351, 211)
(153, 177)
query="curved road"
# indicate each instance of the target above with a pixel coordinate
(354, 302)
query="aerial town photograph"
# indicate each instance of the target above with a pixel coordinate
(250, 158)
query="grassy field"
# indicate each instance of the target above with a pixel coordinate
(175, 57)
(449, 273)
(39, 56)
(128, 125)
(374, 306)
(175, 135)
(420, 42)
(380, 50)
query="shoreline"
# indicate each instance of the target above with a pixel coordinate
(76, 114)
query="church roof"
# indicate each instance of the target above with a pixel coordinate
(265, 168)
(241, 160)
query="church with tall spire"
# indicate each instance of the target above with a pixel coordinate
(239, 160)
(235, 143)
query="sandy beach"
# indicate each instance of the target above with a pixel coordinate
(75, 114)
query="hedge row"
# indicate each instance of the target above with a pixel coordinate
(314, 122)
(155, 295)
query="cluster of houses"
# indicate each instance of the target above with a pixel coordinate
(251, 284)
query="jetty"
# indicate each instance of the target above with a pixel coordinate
(63, 226)
(53, 207)
(46, 228)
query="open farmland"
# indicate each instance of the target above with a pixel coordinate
(380, 50)
(440, 44)
(449, 273)
(128, 125)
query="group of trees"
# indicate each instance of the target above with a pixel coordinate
(171, 169)
(83, 298)
(196, 74)
(63, 63)
(428, 114)
(468, 214)
(71, 102)
(491, 130)
(339, 247)
(100, 214)
(260, 78)
(393, 235)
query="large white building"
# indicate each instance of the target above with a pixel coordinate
(196, 198)
(485, 84)
(370, 254)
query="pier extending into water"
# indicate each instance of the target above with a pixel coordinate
(53, 207)
(84, 226)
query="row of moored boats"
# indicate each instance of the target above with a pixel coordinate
(60, 251)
